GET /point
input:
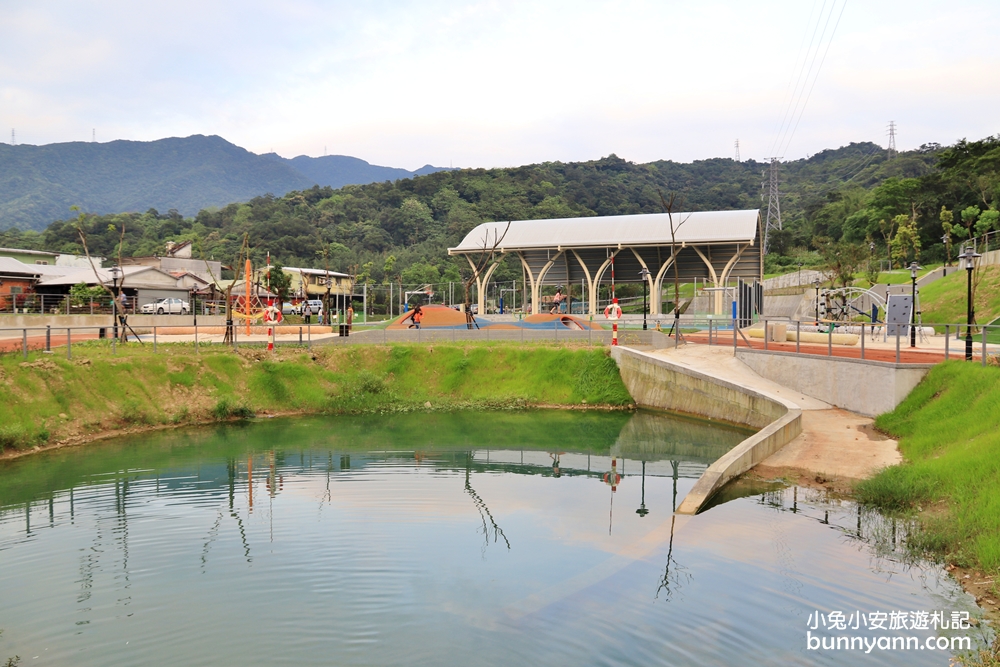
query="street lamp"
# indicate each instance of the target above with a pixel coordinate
(644, 274)
(816, 285)
(944, 240)
(914, 267)
(642, 511)
(115, 274)
(326, 313)
(968, 258)
(800, 274)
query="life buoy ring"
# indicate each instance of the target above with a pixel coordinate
(272, 314)
(613, 311)
(612, 481)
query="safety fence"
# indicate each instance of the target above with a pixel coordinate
(902, 344)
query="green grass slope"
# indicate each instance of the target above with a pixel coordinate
(944, 300)
(48, 398)
(949, 434)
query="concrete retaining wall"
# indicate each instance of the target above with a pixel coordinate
(657, 383)
(866, 387)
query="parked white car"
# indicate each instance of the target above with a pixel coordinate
(171, 306)
(315, 305)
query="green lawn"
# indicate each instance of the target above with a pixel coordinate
(944, 300)
(51, 398)
(949, 434)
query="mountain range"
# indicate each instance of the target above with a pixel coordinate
(39, 184)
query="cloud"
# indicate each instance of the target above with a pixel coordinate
(489, 83)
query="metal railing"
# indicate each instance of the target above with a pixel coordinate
(715, 331)
(63, 304)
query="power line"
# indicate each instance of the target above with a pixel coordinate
(818, 69)
(808, 74)
(798, 79)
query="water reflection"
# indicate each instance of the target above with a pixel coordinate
(357, 539)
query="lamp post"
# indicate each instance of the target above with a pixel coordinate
(800, 274)
(968, 258)
(326, 309)
(642, 511)
(194, 305)
(816, 285)
(914, 267)
(944, 240)
(644, 274)
(115, 273)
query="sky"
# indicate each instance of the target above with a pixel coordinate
(502, 83)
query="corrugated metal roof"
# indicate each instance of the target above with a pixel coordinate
(610, 231)
(10, 266)
(87, 276)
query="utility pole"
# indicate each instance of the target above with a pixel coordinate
(737, 150)
(892, 139)
(773, 221)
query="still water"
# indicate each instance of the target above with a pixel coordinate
(436, 539)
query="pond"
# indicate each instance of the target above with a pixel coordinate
(535, 538)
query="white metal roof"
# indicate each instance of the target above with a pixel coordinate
(87, 276)
(10, 265)
(614, 230)
(19, 251)
(314, 272)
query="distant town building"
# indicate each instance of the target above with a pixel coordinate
(177, 261)
(45, 258)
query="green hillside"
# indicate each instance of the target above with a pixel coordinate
(848, 205)
(38, 184)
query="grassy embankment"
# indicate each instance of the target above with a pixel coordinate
(944, 300)
(49, 399)
(949, 434)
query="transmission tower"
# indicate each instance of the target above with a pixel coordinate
(892, 139)
(737, 150)
(93, 135)
(773, 221)
(13, 142)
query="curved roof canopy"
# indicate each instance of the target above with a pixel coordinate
(650, 229)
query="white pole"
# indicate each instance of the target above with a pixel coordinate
(364, 289)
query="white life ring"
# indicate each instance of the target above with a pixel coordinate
(613, 311)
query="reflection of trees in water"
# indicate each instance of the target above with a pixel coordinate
(484, 511)
(888, 539)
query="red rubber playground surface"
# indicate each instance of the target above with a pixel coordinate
(906, 354)
(38, 342)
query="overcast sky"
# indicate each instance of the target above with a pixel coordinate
(501, 83)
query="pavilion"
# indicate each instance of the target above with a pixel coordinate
(712, 246)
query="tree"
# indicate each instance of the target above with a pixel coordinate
(906, 241)
(841, 260)
(947, 225)
(279, 282)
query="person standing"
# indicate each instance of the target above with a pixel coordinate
(350, 316)
(557, 301)
(307, 313)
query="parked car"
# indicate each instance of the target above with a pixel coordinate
(289, 308)
(171, 306)
(315, 305)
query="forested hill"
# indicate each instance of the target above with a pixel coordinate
(38, 184)
(405, 227)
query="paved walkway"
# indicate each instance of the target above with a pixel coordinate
(835, 445)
